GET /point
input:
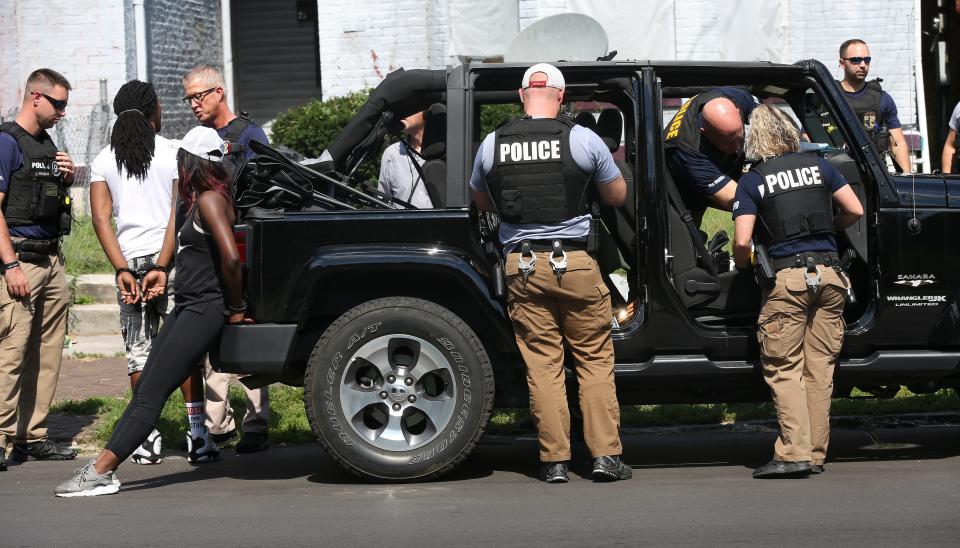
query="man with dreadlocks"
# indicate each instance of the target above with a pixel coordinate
(132, 180)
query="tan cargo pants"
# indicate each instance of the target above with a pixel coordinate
(800, 334)
(219, 413)
(32, 332)
(546, 314)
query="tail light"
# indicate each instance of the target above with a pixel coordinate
(241, 236)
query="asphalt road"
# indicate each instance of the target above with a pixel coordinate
(691, 488)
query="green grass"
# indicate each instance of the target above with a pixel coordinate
(288, 422)
(82, 252)
(715, 220)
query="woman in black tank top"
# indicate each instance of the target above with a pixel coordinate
(209, 293)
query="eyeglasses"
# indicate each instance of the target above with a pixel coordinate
(858, 60)
(198, 97)
(58, 104)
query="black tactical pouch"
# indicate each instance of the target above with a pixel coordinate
(48, 206)
(512, 204)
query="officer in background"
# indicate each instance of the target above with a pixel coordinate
(785, 203)
(535, 173)
(35, 205)
(206, 95)
(874, 107)
(704, 148)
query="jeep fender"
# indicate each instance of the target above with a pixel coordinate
(336, 278)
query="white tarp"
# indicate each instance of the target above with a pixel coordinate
(640, 29)
(482, 29)
(756, 30)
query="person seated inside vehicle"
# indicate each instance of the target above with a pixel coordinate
(703, 145)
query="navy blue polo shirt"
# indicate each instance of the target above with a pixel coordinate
(252, 132)
(748, 199)
(702, 173)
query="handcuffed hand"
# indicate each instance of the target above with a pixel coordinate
(153, 285)
(129, 290)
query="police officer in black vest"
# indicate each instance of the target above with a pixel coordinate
(874, 107)
(704, 148)
(206, 95)
(537, 173)
(785, 203)
(34, 178)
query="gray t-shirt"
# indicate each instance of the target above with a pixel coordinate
(955, 119)
(398, 176)
(590, 155)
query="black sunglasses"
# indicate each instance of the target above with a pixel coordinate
(198, 97)
(58, 104)
(858, 60)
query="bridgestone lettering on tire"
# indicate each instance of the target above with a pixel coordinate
(398, 389)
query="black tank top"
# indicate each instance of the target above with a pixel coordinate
(198, 274)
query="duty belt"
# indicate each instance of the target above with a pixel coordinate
(41, 247)
(811, 260)
(806, 258)
(527, 261)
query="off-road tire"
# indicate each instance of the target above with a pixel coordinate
(437, 332)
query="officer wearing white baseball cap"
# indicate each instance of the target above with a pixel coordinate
(535, 173)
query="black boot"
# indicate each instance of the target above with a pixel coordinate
(782, 469)
(3, 459)
(41, 450)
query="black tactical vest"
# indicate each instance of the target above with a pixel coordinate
(683, 131)
(36, 194)
(534, 178)
(237, 155)
(867, 107)
(795, 202)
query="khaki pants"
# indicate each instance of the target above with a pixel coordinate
(220, 414)
(576, 311)
(800, 334)
(32, 332)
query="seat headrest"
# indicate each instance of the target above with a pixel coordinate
(434, 143)
(586, 120)
(610, 128)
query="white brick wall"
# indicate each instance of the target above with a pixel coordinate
(361, 42)
(82, 39)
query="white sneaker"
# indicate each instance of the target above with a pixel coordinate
(149, 450)
(87, 483)
(202, 449)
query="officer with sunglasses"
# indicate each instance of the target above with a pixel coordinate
(874, 107)
(35, 205)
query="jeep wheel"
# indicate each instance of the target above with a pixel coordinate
(398, 389)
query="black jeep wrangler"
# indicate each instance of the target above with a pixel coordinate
(393, 318)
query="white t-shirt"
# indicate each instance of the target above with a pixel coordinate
(141, 208)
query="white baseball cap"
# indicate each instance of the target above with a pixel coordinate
(554, 77)
(204, 142)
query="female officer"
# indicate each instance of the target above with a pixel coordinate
(800, 325)
(209, 292)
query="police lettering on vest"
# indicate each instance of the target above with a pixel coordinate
(527, 151)
(794, 178)
(534, 178)
(36, 195)
(794, 201)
